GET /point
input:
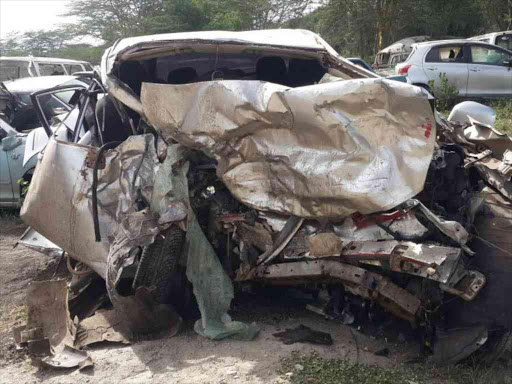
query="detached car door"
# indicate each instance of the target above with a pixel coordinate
(490, 71)
(450, 59)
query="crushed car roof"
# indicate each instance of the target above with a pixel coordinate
(32, 84)
(286, 38)
(295, 38)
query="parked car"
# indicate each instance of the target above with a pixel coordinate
(501, 39)
(388, 58)
(16, 103)
(12, 68)
(363, 64)
(224, 156)
(477, 70)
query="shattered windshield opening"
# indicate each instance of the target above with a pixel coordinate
(197, 67)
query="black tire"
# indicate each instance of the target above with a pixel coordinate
(159, 264)
(142, 301)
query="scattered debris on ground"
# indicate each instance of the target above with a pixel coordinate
(303, 334)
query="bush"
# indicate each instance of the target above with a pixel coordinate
(503, 110)
(445, 95)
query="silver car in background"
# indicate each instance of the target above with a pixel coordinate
(478, 70)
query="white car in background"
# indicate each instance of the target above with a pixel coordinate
(501, 39)
(12, 68)
(478, 70)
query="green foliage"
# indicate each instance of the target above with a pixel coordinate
(24, 184)
(357, 28)
(446, 94)
(317, 370)
(329, 371)
(503, 110)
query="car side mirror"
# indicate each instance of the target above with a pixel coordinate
(507, 63)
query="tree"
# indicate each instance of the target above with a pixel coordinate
(110, 20)
(10, 45)
(498, 14)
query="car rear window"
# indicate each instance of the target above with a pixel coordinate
(446, 54)
(10, 70)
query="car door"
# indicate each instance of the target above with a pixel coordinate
(6, 193)
(11, 164)
(489, 73)
(450, 59)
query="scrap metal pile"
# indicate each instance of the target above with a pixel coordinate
(354, 186)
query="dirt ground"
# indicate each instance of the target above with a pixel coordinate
(187, 357)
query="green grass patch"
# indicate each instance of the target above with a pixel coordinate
(317, 370)
(503, 110)
(312, 369)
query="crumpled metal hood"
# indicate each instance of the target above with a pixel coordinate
(325, 150)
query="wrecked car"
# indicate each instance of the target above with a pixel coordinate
(216, 159)
(18, 108)
(25, 105)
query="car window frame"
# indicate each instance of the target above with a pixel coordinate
(487, 46)
(50, 63)
(39, 109)
(19, 64)
(440, 46)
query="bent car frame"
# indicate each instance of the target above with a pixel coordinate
(264, 157)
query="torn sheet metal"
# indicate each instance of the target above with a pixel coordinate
(104, 325)
(470, 111)
(428, 261)
(487, 136)
(132, 171)
(126, 175)
(47, 304)
(60, 211)
(34, 240)
(505, 168)
(357, 280)
(69, 357)
(325, 150)
(452, 229)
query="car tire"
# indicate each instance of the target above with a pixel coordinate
(143, 301)
(159, 264)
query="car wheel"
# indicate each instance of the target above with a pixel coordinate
(159, 264)
(143, 300)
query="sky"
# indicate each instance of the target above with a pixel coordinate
(25, 15)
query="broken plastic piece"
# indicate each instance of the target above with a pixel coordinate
(68, 358)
